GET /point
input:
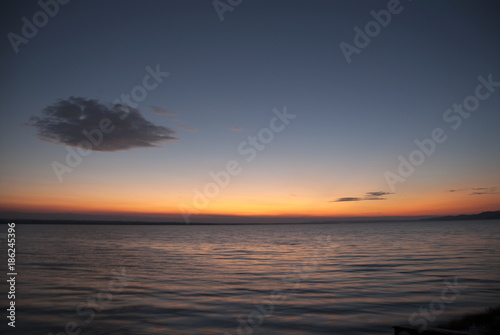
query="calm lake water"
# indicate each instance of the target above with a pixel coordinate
(272, 279)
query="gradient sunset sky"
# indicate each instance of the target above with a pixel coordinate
(349, 121)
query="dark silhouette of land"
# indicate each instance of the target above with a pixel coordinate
(481, 216)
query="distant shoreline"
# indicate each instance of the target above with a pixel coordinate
(463, 217)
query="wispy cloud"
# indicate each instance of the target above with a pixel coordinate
(484, 190)
(72, 121)
(477, 190)
(347, 199)
(236, 129)
(161, 111)
(173, 117)
(378, 195)
(186, 128)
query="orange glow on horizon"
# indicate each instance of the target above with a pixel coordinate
(248, 199)
(409, 206)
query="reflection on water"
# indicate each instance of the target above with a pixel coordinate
(275, 279)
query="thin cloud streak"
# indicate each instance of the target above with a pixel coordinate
(186, 128)
(161, 111)
(378, 195)
(477, 190)
(347, 199)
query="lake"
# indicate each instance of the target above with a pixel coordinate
(352, 278)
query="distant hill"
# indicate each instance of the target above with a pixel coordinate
(481, 216)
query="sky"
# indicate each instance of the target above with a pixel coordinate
(265, 111)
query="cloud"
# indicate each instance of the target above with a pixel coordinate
(368, 196)
(186, 128)
(72, 121)
(376, 195)
(347, 199)
(374, 198)
(459, 190)
(484, 190)
(161, 111)
(173, 117)
(477, 190)
(236, 129)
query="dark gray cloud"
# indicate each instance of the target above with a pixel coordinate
(376, 195)
(107, 127)
(347, 199)
(379, 195)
